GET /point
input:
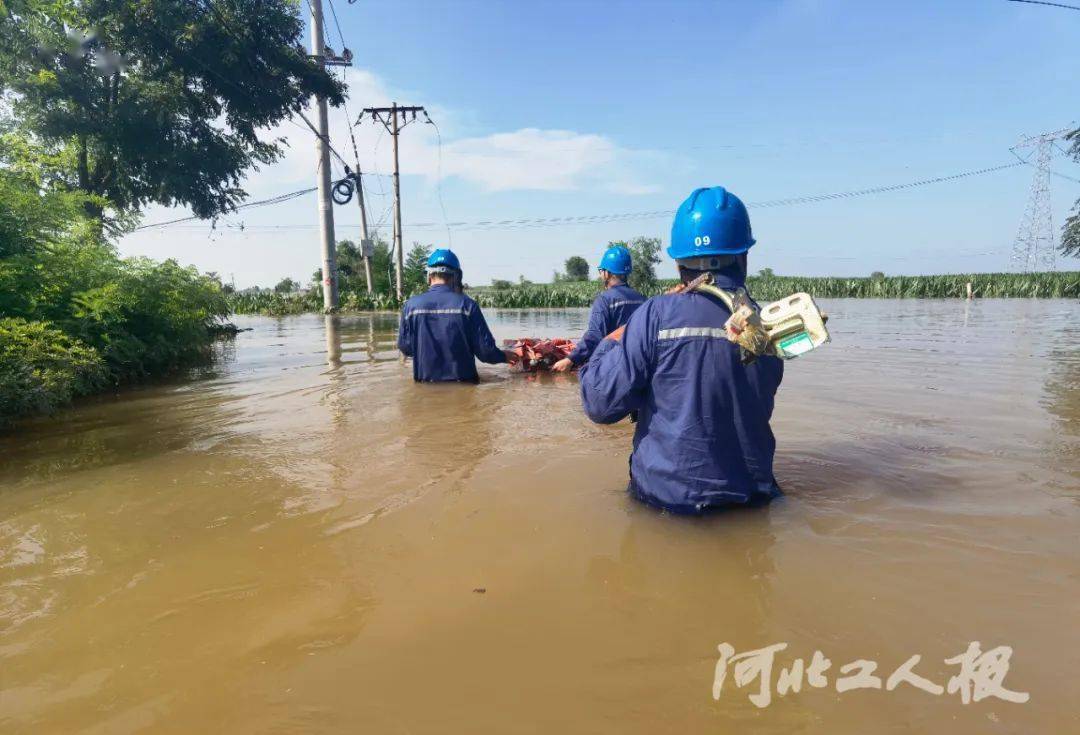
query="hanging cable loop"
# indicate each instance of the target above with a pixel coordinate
(342, 192)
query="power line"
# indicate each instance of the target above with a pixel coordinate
(881, 189)
(1043, 2)
(438, 181)
(249, 205)
(1064, 176)
(656, 214)
(333, 12)
(809, 199)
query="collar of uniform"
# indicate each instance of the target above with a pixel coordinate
(728, 281)
(731, 276)
(439, 287)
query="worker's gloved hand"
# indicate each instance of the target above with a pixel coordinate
(563, 365)
(512, 357)
(617, 334)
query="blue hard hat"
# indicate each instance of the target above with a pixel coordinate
(617, 260)
(711, 221)
(443, 258)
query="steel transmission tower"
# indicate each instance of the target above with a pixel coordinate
(1036, 244)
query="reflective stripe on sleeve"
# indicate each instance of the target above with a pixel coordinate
(624, 303)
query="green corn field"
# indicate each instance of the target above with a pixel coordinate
(275, 304)
(1065, 284)
(770, 288)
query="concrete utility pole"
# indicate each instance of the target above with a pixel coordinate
(389, 117)
(322, 148)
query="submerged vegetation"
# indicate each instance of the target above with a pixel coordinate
(269, 303)
(771, 287)
(764, 287)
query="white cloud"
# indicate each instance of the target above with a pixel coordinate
(529, 159)
(546, 160)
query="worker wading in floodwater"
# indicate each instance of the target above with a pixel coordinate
(611, 309)
(444, 331)
(703, 438)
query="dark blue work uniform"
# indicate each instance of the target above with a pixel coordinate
(611, 310)
(703, 438)
(444, 332)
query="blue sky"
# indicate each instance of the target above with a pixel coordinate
(561, 109)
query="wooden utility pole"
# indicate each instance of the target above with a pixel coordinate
(399, 257)
(389, 117)
(366, 245)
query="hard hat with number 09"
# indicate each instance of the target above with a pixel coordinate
(712, 221)
(442, 259)
(617, 260)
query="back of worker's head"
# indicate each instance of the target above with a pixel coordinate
(444, 267)
(616, 264)
(711, 232)
(731, 267)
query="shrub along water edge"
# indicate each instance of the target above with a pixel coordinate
(75, 317)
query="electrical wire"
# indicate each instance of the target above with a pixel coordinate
(249, 205)
(333, 12)
(1027, 162)
(656, 214)
(1043, 2)
(1063, 176)
(375, 163)
(881, 189)
(438, 181)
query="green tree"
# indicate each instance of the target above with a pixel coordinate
(644, 254)
(350, 262)
(1070, 232)
(74, 316)
(163, 101)
(766, 273)
(414, 275)
(499, 284)
(877, 276)
(382, 266)
(29, 217)
(286, 285)
(577, 268)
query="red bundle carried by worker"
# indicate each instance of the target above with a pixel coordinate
(539, 354)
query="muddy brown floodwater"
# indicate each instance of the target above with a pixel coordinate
(295, 540)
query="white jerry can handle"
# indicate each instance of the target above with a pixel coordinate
(795, 325)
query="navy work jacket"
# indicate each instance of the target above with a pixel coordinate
(703, 438)
(444, 332)
(611, 310)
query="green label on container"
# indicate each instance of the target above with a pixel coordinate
(796, 344)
